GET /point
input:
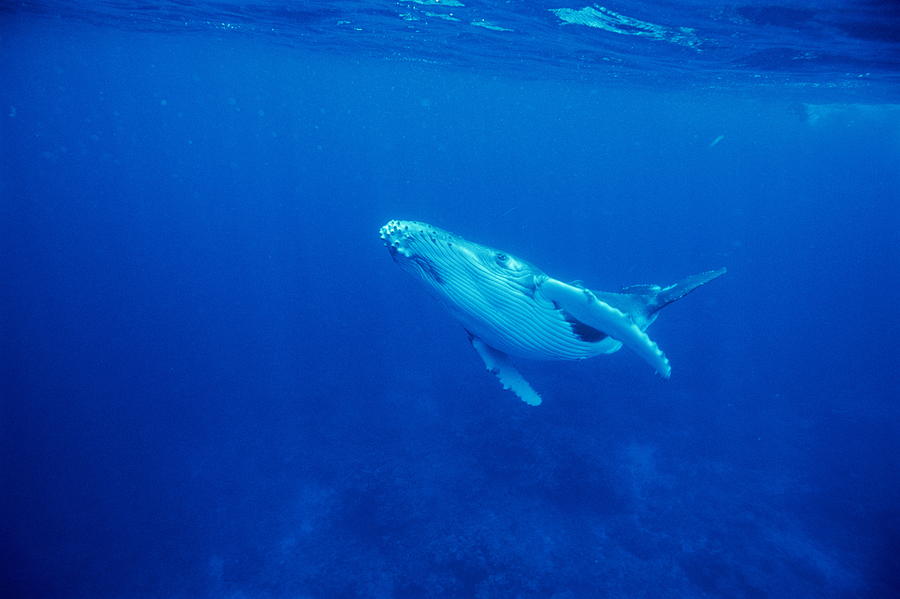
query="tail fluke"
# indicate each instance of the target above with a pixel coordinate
(665, 296)
(642, 302)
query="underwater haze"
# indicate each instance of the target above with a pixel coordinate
(216, 383)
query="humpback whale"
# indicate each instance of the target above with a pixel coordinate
(509, 307)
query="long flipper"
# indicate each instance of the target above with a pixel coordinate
(499, 363)
(588, 308)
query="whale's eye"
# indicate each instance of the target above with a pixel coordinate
(502, 258)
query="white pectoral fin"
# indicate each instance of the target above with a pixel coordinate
(588, 308)
(499, 363)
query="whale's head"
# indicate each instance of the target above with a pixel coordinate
(453, 265)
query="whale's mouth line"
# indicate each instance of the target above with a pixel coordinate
(428, 268)
(392, 251)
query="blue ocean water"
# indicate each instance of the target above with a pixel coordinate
(216, 383)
